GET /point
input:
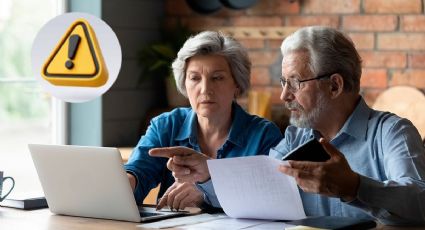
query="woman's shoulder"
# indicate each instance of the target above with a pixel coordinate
(253, 126)
(251, 120)
(176, 115)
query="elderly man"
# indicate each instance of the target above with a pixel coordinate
(377, 159)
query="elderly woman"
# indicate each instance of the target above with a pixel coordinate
(212, 70)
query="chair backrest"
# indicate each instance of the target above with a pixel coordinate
(405, 101)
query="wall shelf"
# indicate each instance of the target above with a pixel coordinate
(278, 32)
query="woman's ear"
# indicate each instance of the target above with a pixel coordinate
(237, 91)
(337, 85)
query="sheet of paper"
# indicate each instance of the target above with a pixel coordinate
(226, 223)
(183, 221)
(252, 187)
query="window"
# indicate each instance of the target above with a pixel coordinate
(27, 114)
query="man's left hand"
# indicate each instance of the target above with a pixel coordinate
(331, 178)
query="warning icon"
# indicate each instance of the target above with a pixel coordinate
(77, 59)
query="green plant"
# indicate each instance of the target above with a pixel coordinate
(156, 57)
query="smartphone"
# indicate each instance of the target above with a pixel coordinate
(312, 150)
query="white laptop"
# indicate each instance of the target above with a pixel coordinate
(89, 182)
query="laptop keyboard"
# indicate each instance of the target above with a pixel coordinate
(147, 214)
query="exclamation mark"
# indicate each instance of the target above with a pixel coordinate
(74, 41)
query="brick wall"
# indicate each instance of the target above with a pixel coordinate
(389, 34)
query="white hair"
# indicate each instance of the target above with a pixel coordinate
(214, 43)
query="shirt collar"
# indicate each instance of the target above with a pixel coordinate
(357, 122)
(239, 121)
(189, 128)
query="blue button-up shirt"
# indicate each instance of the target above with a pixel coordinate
(249, 135)
(387, 152)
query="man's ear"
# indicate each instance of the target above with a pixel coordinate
(337, 85)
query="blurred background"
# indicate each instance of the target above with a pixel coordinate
(389, 35)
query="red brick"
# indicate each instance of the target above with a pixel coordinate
(330, 6)
(392, 6)
(401, 41)
(412, 23)
(415, 78)
(177, 8)
(369, 23)
(275, 44)
(203, 23)
(306, 20)
(261, 58)
(260, 76)
(225, 12)
(387, 59)
(363, 41)
(370, 95)
(374, 78)
(287, 7)
(273, 7)
(252, 43)
(256, 21)
(417, 60)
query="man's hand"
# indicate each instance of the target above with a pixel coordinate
(331, 178)
(186, 164)
(181, 195)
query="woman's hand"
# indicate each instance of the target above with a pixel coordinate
(181, 195)
(132, 180)
(186, 164)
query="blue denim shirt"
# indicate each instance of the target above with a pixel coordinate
(387, 152)
(249, 135)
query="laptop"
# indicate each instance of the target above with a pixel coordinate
(89, 182)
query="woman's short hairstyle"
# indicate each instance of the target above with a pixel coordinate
(330, 52)
(214, 43)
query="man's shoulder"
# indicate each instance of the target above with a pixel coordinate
(385, 118)
(389, 123)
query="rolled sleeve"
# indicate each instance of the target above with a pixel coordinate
(209, 194)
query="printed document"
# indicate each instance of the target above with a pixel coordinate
(253, 187)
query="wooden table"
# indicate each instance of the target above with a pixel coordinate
(43, 219)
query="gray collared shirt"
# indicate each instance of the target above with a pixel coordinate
(387, 152)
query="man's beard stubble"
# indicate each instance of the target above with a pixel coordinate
(307, 120)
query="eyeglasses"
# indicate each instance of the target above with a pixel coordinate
(295, 84)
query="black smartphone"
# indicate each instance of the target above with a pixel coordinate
(312, 150)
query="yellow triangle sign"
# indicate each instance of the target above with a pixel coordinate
(77, 59)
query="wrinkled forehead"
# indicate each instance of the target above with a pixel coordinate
(296, 62)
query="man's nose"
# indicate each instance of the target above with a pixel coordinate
(286, 94)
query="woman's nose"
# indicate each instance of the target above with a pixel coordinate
(206, 87)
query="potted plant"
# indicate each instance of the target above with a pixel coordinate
(157, 57)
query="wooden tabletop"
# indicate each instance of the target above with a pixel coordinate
(43, 219)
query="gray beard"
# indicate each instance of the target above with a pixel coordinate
(307, 120)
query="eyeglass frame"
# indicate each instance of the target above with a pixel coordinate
(283, 81)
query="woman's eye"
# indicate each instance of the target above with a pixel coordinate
(217, 78)
(194, 78)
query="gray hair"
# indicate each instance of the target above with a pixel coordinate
(330, 52)
(208, 43)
